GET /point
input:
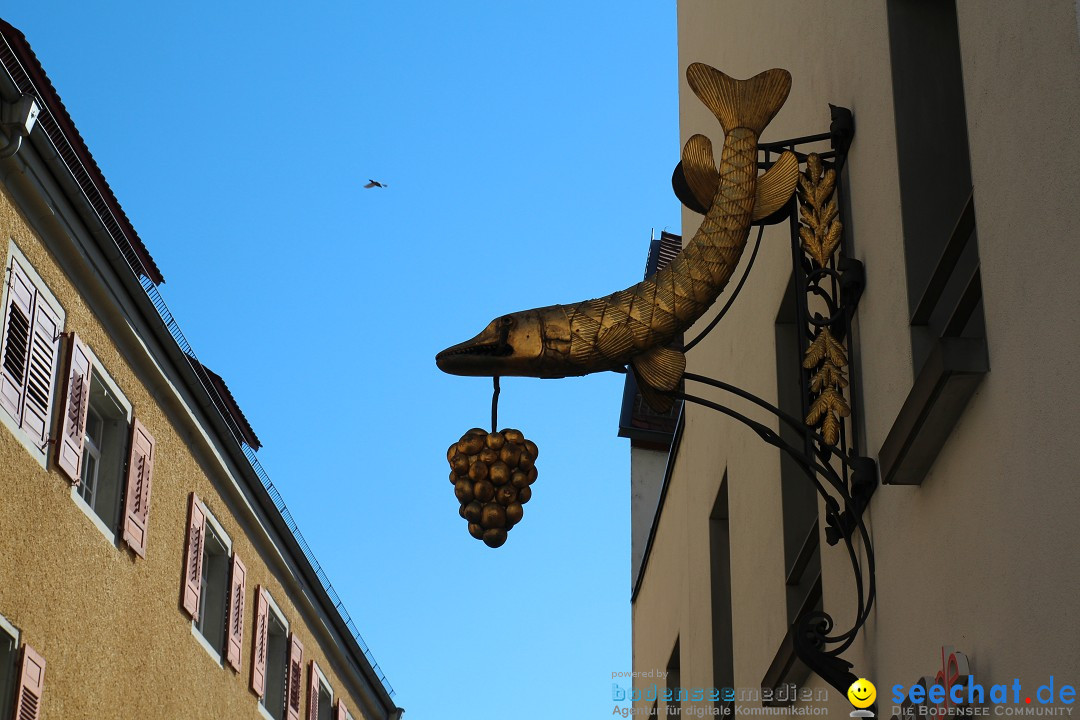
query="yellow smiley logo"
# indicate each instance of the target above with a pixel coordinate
(862, 693)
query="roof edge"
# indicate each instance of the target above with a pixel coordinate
(29, 76)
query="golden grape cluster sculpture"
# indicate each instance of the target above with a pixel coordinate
(492, 474)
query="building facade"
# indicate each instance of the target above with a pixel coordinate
(958, 198)
(148, 568)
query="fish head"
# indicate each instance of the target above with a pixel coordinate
(510, 345)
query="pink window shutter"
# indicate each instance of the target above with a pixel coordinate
(237, 598)
(76, 398)
(42, 358)
(18, 312)
(193, 557)
(259, 641)
(31, 681)
(342, 711)
(295, 679)
(313, 693)
(140, 474)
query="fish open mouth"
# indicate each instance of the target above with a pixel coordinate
(473, 358)
(488, 349)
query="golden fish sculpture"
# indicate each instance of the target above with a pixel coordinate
(636, 326)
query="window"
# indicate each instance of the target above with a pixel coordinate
(9, 663)
(215, 587)
(799, 499)
(90, 449)
(937, 204)
(674, 683)
(105, 443)
(720, 572)
(29, 350)
(271, 655)
(942, 258)
(276, 686)
(208, 593)
(22, 676)
(320, 696)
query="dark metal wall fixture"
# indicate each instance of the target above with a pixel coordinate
(827, 285)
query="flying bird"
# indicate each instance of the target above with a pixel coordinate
(375, 183)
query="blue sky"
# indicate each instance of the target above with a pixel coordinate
(528, 149)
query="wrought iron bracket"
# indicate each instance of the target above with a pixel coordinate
(828, 284)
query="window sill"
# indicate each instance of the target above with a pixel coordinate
(786, 666)
(93, 516)
(937, 399)
(206, 645)
(263, 712)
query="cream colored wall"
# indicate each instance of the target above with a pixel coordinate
(979, 555)
(109, 624)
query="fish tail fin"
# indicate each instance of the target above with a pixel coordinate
(748, 104)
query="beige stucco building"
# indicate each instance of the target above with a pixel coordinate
(148, 568)
(963, 177)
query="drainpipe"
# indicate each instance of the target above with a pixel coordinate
(18, 119)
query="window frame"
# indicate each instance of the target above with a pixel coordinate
(113, 535)
(949, 349)
(42, 290)
(13, 632)
(212, 524)
(273, 609)
(324, 683)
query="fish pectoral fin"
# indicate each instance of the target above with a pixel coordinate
(655, 399)
(699, 169)
(660, 367)
(615, 341)
(776, 186)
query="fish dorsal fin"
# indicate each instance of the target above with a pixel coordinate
(660, 367)
(699, 169)
(655, 399)
(776, 186)
(748, 104)
(615, 341)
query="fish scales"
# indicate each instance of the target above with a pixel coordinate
(722, 233)
(635, 325)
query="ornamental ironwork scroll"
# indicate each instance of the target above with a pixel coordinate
(632, 330)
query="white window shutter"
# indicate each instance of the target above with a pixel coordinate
(18, 312)
(41, 371)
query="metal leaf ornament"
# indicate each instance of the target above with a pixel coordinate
(829, 406)
(819, 229)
